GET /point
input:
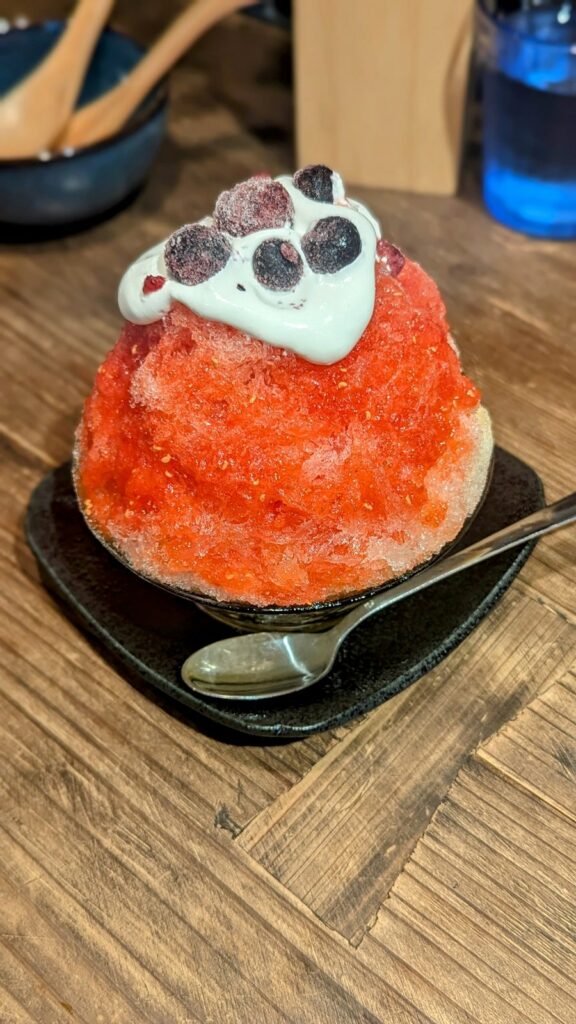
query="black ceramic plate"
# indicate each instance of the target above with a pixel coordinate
(150, 632)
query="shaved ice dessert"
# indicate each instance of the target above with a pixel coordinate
(284, 418)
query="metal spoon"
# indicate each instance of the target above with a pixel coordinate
(260, 665)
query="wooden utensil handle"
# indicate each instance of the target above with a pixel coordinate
(106, 115)
(85, 25)
(175, 41)
(74, 50)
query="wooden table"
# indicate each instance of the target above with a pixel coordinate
(417, 866)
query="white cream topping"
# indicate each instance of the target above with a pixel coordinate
(321, 319)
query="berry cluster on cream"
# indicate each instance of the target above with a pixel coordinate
(290, 261)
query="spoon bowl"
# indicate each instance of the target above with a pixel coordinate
(235, 668)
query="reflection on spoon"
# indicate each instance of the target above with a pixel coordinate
(261, 665)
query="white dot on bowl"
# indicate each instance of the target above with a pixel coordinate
(21, 22)
(4, 26)
(45, 155)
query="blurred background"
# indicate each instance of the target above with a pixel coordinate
(403, 96)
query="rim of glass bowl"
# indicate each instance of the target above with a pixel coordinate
(330, 606)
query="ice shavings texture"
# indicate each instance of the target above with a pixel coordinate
(215, 462)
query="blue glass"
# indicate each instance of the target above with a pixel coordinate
(529, 79)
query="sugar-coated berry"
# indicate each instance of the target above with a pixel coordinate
(253, 205)
(333, 243)
(391, 258)
(153, 283)
(315, 182)
(195, 253)
(277, 265)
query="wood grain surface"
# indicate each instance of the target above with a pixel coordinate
(416, 867)
(340, 836)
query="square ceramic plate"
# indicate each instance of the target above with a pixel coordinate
(148, 632)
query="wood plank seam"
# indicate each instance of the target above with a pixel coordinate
(568, 614)
(371, 923)
(551, 972)
(519, 611)
(285, 894)
(516, 780)
(543, 599)
(279, 889)
(478, 756)
(399, 899)
(248, 906)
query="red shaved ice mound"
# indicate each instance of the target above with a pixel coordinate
(215, 462)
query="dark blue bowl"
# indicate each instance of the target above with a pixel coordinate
(65, 189)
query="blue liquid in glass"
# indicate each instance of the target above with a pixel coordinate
(530, 125)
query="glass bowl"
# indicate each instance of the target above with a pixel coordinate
(287, 618)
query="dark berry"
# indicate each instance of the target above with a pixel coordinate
(390, 257)
(277, 265)
(315, 182)
(152, 283)
(332, 244)
(253, 205)
(195, 253)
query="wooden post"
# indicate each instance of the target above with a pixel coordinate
(381, 88)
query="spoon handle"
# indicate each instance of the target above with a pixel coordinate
(36, 110)
(549, 518)
(104, 116)
(76, 45)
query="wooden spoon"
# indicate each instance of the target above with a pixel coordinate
(104, 116)
(36, 110)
